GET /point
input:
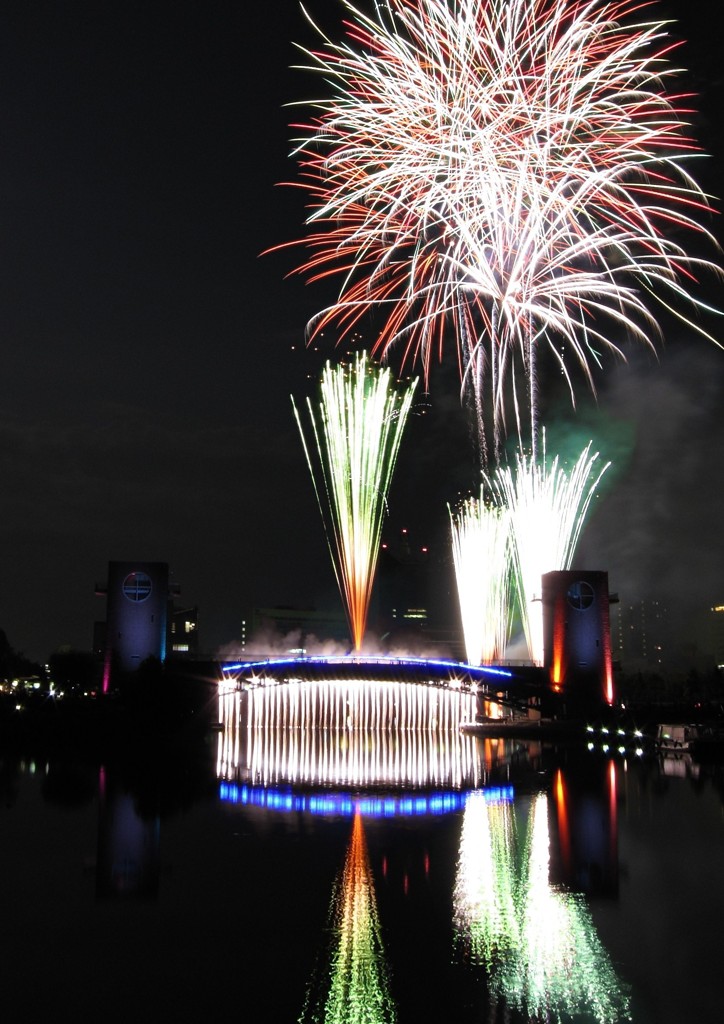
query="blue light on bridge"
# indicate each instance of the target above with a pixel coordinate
(380, 660)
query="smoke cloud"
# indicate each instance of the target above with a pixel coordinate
(658, 530)
(271, 643)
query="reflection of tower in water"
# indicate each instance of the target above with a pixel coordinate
(128, 844)
(351, 985)
(585, 856)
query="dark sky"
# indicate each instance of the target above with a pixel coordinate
(149, 350)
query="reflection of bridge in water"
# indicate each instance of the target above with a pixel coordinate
(382, 738)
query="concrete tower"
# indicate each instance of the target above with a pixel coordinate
(577, 636)
(137, 598)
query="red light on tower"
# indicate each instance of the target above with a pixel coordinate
(577, 635)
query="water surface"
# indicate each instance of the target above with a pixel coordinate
(479, 882)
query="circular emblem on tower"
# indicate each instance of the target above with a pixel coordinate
(137, 586)
(581, 595)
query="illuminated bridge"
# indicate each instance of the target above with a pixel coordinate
(363, 692)
(353, 666)
(358, 721)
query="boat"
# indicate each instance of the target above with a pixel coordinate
(699, 740)
(677, 739)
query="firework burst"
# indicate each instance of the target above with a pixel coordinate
(513, 173)
(356, 436)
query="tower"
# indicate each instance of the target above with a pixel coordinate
(137, 597)
(577, 636)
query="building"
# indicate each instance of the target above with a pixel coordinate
(138, 596)
(414, 606)
(400, 603)
(184, 632)
(716, 633)
(577, 636)
(640, 633)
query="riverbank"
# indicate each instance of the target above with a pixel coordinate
(91, 723)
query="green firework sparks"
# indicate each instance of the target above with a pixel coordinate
(356, 436)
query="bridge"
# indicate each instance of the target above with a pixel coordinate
(360, 680)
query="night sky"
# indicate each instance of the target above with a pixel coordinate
(149, 349)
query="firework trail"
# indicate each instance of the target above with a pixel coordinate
(547, 506)
(357, 437)
(481, 548)
(512, 173)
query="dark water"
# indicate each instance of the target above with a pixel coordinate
(561, 885)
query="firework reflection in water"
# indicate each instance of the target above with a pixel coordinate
(485, 920)
(537, 943)
(562, 963)
(351, 984)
